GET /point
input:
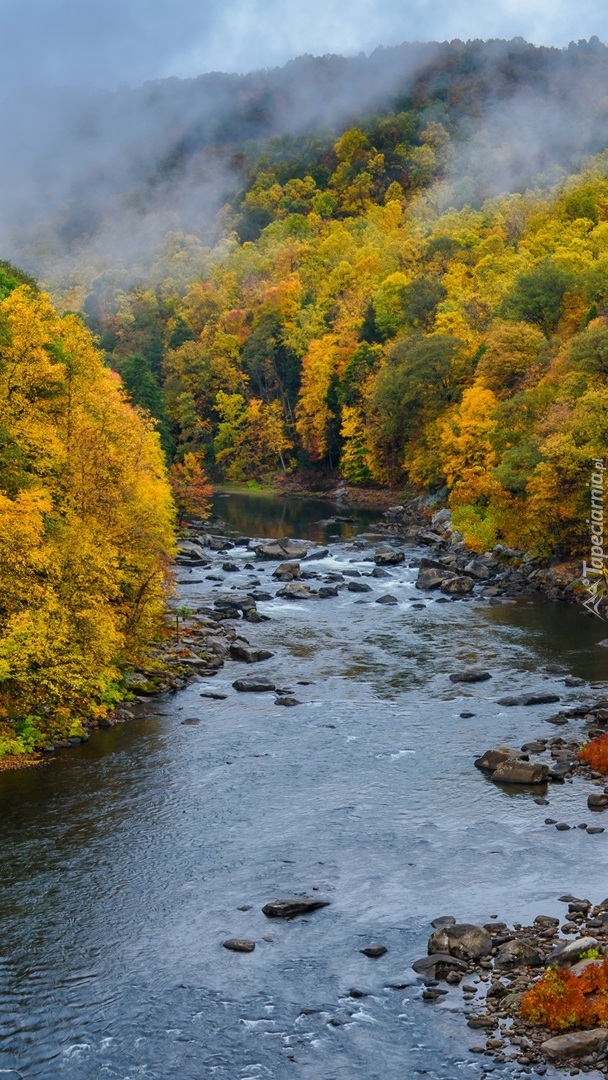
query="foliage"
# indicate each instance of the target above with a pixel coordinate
(562, 1000)
(85, 525)
(595, 754)
(191, 489)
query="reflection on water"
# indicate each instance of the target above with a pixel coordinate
(265, 515)
(126, 863)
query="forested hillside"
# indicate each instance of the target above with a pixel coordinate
(366, 331)
(85, 523)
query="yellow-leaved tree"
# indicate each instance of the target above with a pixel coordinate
(86, 525)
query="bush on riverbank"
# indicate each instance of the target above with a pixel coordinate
(595, 753)
(562, 1000)
(86, 526)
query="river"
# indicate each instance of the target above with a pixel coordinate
(127, 862)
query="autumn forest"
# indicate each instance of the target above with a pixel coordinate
(362, 313)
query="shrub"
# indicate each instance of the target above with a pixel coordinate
(595, 753)
(561, 1000)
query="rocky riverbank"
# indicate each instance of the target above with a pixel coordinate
(490, 968)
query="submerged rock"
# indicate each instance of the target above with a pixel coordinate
(529, 699)
(473, 675)
(288, 909)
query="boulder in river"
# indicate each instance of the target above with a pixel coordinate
(253, 686)
(296, 590)
(458, 586)
(431, 579)
(520, 772)
(288, 909)
(287, 571)
(529, 699)
(470, 676)
(374, 951)
(387, 599)
(493, 758)
(239, 944)
(248, 655)
(281, 549)
(387, 556)
(462, 940)
(358, 586)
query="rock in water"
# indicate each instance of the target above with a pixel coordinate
(529, 699)
(282, 549)
(253, 686)
(520, 772)
(249, 655)
(239, 944)
(388, 557)
(374, 951)
(288, 909)
(472, 675)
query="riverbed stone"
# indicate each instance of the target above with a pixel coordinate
(237, 944)
(516, 953)
(387, 600)
(569, 952)
(288, 909)
(296, 590)
(387, 556)
(358, 586)
(247, 654)
(430, 579)
(287, 571)
(281, 549)
(576, 1044)
(597, 801)
(463, 940)
(520, 772)
(493, 758)
(528, 699)
(472, 675)
(437, 963)
(374, 951)
(253, 686)
(457, 586)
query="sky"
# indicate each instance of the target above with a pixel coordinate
(116, 42)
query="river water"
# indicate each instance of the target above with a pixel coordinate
(127, 862)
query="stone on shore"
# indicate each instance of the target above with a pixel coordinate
(436, 963)
(462, 940)
(569, 952)
(575, 1044)
(458, 586)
